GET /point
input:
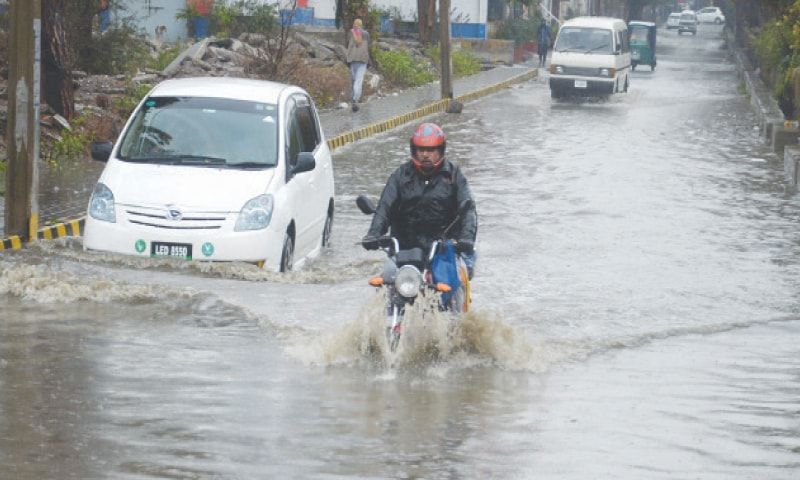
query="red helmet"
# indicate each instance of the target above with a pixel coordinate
(428, 135)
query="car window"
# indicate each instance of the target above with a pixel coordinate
(588, 40)
(234, 132)
(306, 123)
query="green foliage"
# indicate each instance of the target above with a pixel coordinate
(520, 30)
(777, 46)
(464, 63)
(119, 50)
(400, 67)
(124, 105)
(237, 17)
(71, 145)
(164, 58)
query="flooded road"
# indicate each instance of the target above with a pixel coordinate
(635, 316)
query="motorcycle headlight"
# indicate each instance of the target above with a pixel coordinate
(408, 281)
(256, 214)
(101, 205)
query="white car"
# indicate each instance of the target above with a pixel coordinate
(710, 15)
(674, 20)
(216, 169)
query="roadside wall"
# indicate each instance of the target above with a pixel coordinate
(774, 128)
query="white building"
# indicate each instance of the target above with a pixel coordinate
(467, 17)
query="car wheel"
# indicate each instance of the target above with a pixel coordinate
(633, 67)
(555, 94)
(287, 255)
(326, 230)
(717, 20)
(626, 86)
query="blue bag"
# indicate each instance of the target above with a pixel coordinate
(445, 270)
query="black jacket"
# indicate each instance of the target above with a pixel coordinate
(419, 208)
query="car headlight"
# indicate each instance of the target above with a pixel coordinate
(607, 72)
(256, 214)
(408, 281)
(101, 205)
(556, 69)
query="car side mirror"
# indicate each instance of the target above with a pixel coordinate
(101, 150)
(305, 163)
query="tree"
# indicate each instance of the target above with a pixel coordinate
(58, 91)
(426, 19)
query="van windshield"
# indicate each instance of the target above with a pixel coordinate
(584, 39)
(203, 131)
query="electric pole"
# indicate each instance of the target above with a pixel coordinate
(444, 47)
(21, 205)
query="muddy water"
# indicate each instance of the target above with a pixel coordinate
(635, 316)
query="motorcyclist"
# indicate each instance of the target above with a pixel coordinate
(422, 197)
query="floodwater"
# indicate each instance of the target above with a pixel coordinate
(635, 316)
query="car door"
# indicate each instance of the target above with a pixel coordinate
(306, 208)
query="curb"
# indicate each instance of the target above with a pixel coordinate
(74, 228)
(70, 228)
(440, 106)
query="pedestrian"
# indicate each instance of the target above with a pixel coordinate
(357, 58)
(543, 38)
(103, 15)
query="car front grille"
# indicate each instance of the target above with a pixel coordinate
(582, 71)
(161, 219)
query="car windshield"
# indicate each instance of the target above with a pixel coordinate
(586, 40)
(203, 131)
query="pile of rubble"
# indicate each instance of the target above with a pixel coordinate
(317, 60)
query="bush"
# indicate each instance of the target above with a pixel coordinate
(400, 68)
(519, 29)
(464, 63)
(119, 50)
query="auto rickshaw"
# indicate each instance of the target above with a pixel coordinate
(643, 44)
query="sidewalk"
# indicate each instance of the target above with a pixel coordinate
(340, 126)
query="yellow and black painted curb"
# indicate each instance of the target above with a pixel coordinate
(74, 228)
(71, 228)
(435, 107)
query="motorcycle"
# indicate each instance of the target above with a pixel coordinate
(412, 273)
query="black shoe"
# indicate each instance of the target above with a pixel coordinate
(355, 107)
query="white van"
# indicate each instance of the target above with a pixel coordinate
(591, 56)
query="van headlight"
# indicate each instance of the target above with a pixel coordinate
(408, 281)
(101, 205)
(608, 72)
(256, 214)
(557, 69)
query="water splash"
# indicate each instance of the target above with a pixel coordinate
(432, 341)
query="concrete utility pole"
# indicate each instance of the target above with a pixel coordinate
(21, 208)
(444, 47)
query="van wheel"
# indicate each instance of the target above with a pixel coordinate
(287, 256)
(326, 230)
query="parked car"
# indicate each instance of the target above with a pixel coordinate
(688, 22)
(673, 20)
(218, 169)
(710, 15)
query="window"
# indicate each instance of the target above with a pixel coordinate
(239, 132)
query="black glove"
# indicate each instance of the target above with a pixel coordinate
(370, 243)
(464, 246)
